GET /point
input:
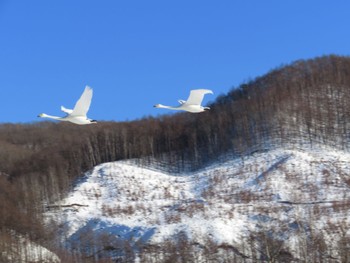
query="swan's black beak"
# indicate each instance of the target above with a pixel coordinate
(206, 108)
(93, 121)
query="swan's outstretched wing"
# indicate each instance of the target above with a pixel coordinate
(83, 104)
(197, 95)
(68, 111)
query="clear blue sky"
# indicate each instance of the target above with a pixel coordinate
(137, 53)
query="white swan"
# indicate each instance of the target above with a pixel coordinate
(192, 104)
(78, 114)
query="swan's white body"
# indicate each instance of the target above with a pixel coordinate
(192, 104)
(78, 114)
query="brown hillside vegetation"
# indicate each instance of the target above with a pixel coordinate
(304, 103)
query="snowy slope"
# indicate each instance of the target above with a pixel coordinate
(225, 202)
(23, 250)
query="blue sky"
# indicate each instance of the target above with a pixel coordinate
(135, 54)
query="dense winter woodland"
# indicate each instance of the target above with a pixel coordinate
(264, 176)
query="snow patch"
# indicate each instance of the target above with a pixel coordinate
(225, 201)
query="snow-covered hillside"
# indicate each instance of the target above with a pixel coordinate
(291, 195)
(20, 249)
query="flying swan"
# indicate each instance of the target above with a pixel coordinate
(78, 114)
(192, 104)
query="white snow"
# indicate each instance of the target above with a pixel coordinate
(224, 201)
(25, 250)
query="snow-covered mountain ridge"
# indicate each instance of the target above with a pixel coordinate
(290, 193)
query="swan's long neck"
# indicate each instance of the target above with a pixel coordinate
(43, 115)
(166, 107)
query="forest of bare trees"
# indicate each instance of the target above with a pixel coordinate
(301, 104)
